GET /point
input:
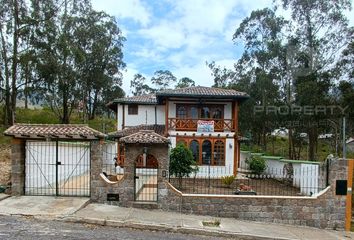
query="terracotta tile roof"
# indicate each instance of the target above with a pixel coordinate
(200, 91)
(194, 92)
(54, 131)
(159, 129)
(145, 99)
(144, 136)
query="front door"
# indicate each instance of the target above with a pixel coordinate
(146, 169)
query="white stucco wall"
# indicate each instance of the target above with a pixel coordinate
(146, 115)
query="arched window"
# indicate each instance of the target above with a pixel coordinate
(182, 141)
(181, 112)
(194, 147)
(206, 152)
(219, 153)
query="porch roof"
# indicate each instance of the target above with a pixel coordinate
(157, 128)
(54, 131)
(145, 137)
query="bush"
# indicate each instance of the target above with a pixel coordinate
(182, 162)
(228, 180)
(257, 164)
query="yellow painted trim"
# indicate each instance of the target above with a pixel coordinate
(348, 210)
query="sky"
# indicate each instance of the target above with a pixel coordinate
(179, 35)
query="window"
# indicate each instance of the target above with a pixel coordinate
(182, 141)
(193, 112)
(132, 109)
(206, 150)
(205, 112)
(217, 113)
(188, 111)
(194, 147)
(181, 112)
(219, 153)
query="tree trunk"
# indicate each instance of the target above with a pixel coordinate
(94, 105)
(312, 134)
(7, 107)
(14, 65)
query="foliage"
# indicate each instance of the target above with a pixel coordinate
(64, 54)
(163, 79)
(228, 180)
(185, 82)
(293, 62)
(257, 164)
(182, 163)
(139, 85)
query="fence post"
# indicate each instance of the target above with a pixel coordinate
(327, 171)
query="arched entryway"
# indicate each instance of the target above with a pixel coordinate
(145, 183)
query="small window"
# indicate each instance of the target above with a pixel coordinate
(132, 109)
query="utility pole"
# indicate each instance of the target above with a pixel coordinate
(344, 143)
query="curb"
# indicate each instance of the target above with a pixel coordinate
(166, 228)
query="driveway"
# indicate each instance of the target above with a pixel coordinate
(41, 205)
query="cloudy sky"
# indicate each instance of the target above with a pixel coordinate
(178, 35)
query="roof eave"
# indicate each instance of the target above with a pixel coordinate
(240, 98)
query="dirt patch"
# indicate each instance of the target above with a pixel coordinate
(5, 164)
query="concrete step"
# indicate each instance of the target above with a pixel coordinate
(145, 205)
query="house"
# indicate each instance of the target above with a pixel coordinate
(203, 118)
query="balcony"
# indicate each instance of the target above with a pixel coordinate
(220, 125)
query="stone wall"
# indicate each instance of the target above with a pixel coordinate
(17, 166)
(324, 211)
(125, 187)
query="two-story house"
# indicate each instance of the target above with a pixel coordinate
(203, 118)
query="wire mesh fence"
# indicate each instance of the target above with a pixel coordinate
(280, 179)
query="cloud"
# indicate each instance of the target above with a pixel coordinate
(133, 9)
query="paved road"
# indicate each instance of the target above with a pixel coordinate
(29, 228)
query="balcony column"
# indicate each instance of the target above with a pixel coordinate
(166, 117)
(236, 145)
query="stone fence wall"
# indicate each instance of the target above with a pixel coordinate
(325, 210)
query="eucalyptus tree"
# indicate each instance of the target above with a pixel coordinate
(15, 25)
(261, 34)
(163, 79)
(79, 55)
(319, 33)
(140, 86)
(185, 82)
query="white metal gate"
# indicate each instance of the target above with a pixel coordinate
(57, 168)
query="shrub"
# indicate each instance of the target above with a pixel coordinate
(182, 162)
(228, 180)
(257, 164)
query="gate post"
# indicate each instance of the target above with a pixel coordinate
(18, 166)
(95, 170)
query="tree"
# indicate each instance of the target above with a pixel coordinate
(79, 56)
(319, 33)
(261, 33)
(14, 33)
(139, 85)
(163, 79)
(182, 163)
(185, 82)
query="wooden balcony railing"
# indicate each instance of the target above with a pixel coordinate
(220, 125)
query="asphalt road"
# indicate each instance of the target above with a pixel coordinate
(14, 227)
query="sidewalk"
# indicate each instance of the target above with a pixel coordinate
(76, 210)
(168, 221)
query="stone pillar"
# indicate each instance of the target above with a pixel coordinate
(96, 169)
(18, 166)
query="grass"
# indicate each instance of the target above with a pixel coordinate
(325, 148)
(211, 223)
